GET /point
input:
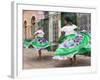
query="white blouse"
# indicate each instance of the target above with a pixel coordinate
(69, 29)
(39, 33)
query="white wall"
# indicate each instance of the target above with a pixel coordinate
(5, 38)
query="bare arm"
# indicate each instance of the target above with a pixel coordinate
(36, 34)
(61, 37)
(62, 33)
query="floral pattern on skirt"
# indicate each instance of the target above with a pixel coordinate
(38, 43)
(72, 46)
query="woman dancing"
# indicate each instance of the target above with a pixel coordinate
(70, 42)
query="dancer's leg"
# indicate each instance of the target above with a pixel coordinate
(74, 59)
(39, 53)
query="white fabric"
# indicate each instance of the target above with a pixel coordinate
(64, 57)
(39, 33)
(69, 29)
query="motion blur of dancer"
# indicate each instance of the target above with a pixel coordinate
(70, 42)
(39, 42)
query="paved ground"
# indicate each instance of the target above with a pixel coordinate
(31, 60)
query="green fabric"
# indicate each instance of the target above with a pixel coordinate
(26, 43)
(80, 49)
(48, 48)
(35, 44)
(39, 45)
(84, 51)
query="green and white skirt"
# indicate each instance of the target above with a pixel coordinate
(38, 43)
(73, 44)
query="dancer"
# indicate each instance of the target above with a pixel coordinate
(39, 42)
(70, 42)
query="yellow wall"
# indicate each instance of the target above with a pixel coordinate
(27, 15)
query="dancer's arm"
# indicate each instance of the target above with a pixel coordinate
(61, 37)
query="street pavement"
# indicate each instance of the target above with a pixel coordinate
(31, 61)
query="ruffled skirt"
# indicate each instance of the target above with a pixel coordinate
(38, 43)
(73, 44)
